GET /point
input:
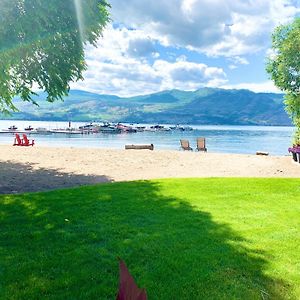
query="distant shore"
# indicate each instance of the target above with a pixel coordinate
(27, 169)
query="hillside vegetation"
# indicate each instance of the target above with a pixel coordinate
(204, 106)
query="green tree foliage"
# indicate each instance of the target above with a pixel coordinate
(284, 67)
(42, 45)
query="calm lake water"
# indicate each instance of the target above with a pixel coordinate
(227, 139)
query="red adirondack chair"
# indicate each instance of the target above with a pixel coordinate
(128, 289)
(18, 141)
(26, 141)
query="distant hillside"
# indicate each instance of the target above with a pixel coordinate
(204, 106)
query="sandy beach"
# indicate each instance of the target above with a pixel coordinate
(40, 168)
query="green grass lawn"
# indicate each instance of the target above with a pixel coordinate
(180, 238)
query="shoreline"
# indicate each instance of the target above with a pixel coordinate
(230, 138)
(31, 169)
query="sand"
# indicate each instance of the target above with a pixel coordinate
(28, 169)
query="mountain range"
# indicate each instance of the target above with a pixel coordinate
(203, 106)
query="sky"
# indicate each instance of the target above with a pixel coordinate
(153, 45)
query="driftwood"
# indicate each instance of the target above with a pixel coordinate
(262, 153)
(140, 147)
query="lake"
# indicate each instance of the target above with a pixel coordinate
(219, 138)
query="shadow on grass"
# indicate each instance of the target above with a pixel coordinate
(21, 178)
(65, 244)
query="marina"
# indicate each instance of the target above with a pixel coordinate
(93, 128)
(219, 138)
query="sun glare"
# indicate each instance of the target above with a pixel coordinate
(79, 14)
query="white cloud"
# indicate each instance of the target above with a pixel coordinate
(141, 47)
(215, 27)
(133, 61)
(187, 75)
(239, 60)
(114, 69)
(232, 67)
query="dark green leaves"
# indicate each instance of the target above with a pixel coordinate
(284, 68)
(41, 45)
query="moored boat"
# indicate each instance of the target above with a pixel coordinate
(181, 128)
(177, 127)
(29, 128)
(159, 128)
(109, 128)
(41, 130)
(125, 128)
(13, 128)
(140, 128)
(66, 131)
(90, 128)
(188, 128)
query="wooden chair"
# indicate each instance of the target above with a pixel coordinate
(201, 146)
(18, 141)
(185, 145)
(26, 141)
(128, 290)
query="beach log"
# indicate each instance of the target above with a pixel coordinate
(140, 147)
(262, 153)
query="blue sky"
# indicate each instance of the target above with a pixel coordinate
(185, 44)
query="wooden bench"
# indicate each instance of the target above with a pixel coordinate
(139, 147)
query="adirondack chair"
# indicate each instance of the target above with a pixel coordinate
(201, 146)
(26, 141)
(295, 152)
(185, 145)
(18, 141)
(128, 290)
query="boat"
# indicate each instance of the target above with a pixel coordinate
(38, 130)
(140, 128)
(159, 128)
(177, 127)
(66, 131)
(181, 128)
(188, 128)
(29, 128)
(90, 128)
(12, 128)
(109, 128)
(125, 128)
(42, 130)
